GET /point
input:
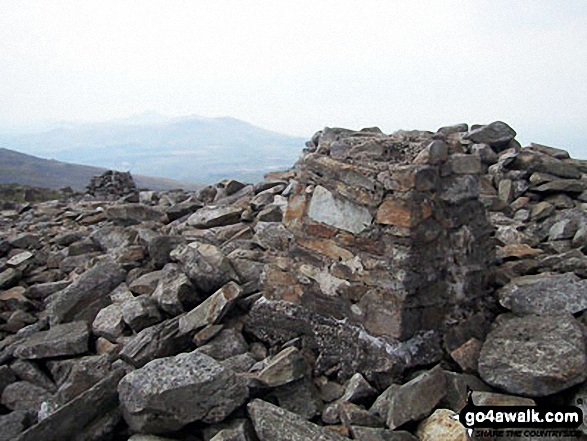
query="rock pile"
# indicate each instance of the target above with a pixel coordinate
(112, 185)
(356, 296)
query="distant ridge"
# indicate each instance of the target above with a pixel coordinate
(20, 168)
(190, 149)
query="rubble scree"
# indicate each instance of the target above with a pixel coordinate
(356, 296)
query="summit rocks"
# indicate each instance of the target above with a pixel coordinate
(358, 295)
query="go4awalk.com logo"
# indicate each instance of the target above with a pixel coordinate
(528, 421)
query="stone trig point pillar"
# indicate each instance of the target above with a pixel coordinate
(388, 232)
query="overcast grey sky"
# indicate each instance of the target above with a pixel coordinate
(297, 66)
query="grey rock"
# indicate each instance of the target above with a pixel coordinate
(42, 290)
(376, 434)
(545, 294)
(6, 377)
(59, 340)
(24, 395)
(161, 340)
(457, 388)
(485, 152)
(73, 418)
(131, 214)
(435, 153)
(542, 210)
(20, 258)
(496, 134)
(563, 229)
(354, 415)
(112, 237)
(146, 283)
(82, 246)
(239, 430)
(29, 371)
(78, 375)
(205, 265)
(358, 389)
(552, 151)
(456, 128)
(339, 213)
(563, 185)
(417, 398)
(14, 423)
(160, 246)
(580, 237)
(140, 312)
(228, 343)
(67, 238)
(175, 293)
(84, 298)
(272, 236)
(241, 363)
(25, 241)
(275, 424)
(168, 393)
(300, 397)
(214, 216)
(9, 277)
(211, 310)
(109, 323)
(287, 366)
(534, 355)
(182, 209)
(349, 348)
(464, 164)
(485, 398)
(458, 189)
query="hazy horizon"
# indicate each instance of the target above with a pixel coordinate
(295, 68)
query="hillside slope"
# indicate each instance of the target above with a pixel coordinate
(25, 169)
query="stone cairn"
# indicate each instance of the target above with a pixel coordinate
(356, 296)
(112, 185)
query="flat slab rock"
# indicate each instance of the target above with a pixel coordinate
(84, 298)
(545, 294)
(61, 340)
(168, 393)
(534, 355)
(273, 423)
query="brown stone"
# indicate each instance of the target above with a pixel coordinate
(402, 214)
(467, 355)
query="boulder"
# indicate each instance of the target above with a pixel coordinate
(417, 398)
(168, 393)
(140, 312)
(60, 340)
(109, 323)
(83, 299)
(211, 310)
(74, 418)
(213, 216)
(287, 366)
(161, 340)
(272, 423)
(131, 214)
(496, 134)
(175, 293)
(545, 294)
(205, 265)
(534, 355)
(24, 395)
